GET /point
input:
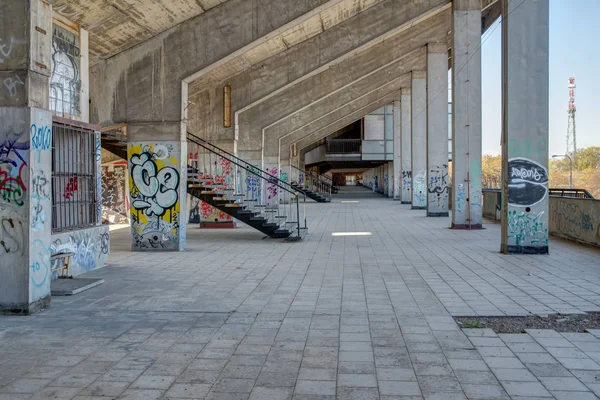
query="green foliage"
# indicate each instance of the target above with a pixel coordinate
(586, 171)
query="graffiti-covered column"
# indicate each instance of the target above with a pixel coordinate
(419, 141)
(158, 186)
(466, 115)
(525, 73)
(437, 130)
(25, 155)
(406, 138)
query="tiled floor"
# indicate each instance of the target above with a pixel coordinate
(358, 317)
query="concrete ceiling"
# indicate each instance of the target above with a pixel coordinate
(116, 25)
(312, 24)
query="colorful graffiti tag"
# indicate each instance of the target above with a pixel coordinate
(154, 184)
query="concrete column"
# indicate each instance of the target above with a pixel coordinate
(419, 140)
(525, 74)
(406, 139)
(25, 155)
(437, 130)
(397, 188)
(466, 115)
(158, 180)
(390, 191)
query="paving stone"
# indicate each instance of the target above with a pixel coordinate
(487, 392)
(399, 388)
(525, 389)
(187, 390)
(357, 380)
(315, 388)
(266, 393)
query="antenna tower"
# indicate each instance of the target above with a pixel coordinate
(571, 130)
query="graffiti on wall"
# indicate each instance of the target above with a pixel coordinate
(406, 184)
(12, 235)
(154, 185)
(194, 214)
(39, 269)
(272, 188)
(13, 169)
(575, 219)
(115, 202)
(527, 182)
(438, 186)
(527, 228)
(224, 176)
(65, 80)
(40, 193)
(419, 189)
(386, 183)
(90, 248)
(253, 187)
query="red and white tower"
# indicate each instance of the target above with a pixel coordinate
(571, 130)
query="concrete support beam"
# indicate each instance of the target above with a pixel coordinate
(25, 155)
(466, 112)
(525, 74)
(397, 187)
(158, 181)
(390, 188)
(346, 119)
(406, 138)
(419, 140)
(437, 130)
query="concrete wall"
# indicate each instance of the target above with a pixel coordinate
(574, 219)
(91, 247)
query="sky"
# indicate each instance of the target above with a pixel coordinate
(574, 34)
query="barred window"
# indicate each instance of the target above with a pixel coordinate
(65, 81)
(74, 201)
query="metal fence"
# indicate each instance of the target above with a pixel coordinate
(343, 146)
(74, 200)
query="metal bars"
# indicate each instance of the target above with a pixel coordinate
(73, 177)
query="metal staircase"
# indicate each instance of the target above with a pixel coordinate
(248, 194)
(315, 186)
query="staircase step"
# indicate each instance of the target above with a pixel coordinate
(270, 225)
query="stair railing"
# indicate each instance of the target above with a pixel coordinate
(267, 175)
(244, 185)
(315, 182)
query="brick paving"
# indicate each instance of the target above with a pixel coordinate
(356, 317)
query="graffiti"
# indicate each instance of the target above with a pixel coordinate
(104, 242)
(6, 48)
(156, 188)
(253, 187)
(461, 198)
(13, 171)
(527, 147)
(115, 203)
(40, 193)
(527, 182)
(571, 220)
(527, 228)
(65, 81)
(154, 185)
(438, 186)
(272, 186)
(40, 267)
(194, 217)
(419, 197)
(12, 236)
(71, 188)
(41, 139)
(386, 182)
(11, 85)
(406, 184)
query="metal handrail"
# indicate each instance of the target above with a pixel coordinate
(343, 146)
(250, 169)
(219, 149)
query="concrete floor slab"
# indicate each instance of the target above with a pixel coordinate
(366, 315)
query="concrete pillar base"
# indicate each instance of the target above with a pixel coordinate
(526, 250)
(418, 207)
(26, 309)
(466, 227)
(438, 214)
(405, 202)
